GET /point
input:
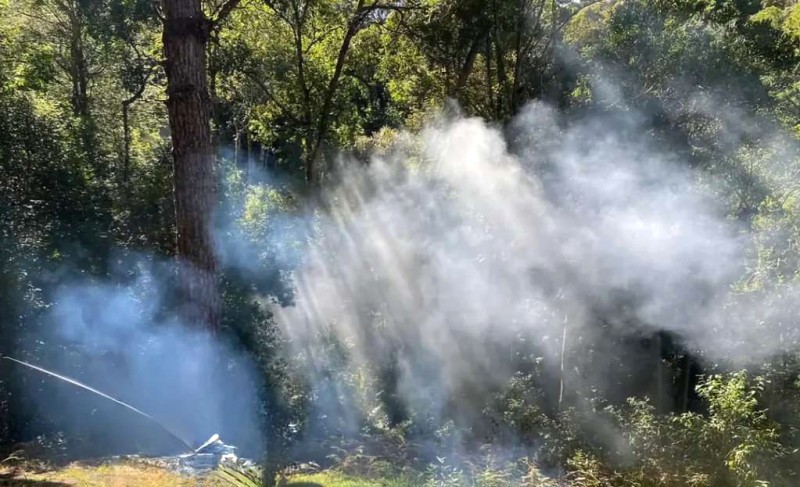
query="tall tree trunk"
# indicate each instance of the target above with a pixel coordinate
(185, 36)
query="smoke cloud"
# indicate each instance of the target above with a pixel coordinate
(116, 336)
(430, 274)
(448, 260)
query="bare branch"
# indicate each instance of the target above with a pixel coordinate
(55, 23)
(223, 12)
(158, 11)
(139, 89)
(279, 13)
(321, 37)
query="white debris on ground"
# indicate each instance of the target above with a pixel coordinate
(209, 457)
(204, 460)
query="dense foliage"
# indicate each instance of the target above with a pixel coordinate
(85, 183)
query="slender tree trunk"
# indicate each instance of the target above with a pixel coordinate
(237, 143)
(518, 36)
(126, 136)
(659, 382)
(489, 78)
(249, 161)
(562, 380)
(324, 117)
(79, 76)
(186, 32)
(686, 383)
(466, 68)
(297, 30)
(126, 155)
(78, 71)
(502, 78)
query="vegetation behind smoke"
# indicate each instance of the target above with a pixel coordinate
(651, 389)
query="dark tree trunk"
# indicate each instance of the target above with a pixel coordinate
(514, 96)
(78, 71)
(687, 379)
(466, 69)
(186, 32)
(659, 374)
(502, 78)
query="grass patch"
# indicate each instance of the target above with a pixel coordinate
(134, 474)
(103, 475)
(336, 479)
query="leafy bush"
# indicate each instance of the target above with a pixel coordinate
(733, 444)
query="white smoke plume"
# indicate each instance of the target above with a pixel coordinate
(115, 335)
(443, 265)
(444, 259)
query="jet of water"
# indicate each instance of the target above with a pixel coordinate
(106, 396)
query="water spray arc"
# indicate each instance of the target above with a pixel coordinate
(117, 401)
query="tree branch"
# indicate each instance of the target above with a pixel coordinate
(279, 13)
(263, 87)
(557, 28)
(223, 12)
(317, 39)
(157, 10)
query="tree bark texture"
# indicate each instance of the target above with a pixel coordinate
(186, 32)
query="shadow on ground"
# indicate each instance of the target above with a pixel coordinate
(10, 480)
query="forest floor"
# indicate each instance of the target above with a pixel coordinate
(139, 475)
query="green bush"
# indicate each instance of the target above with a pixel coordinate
(733, 444)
